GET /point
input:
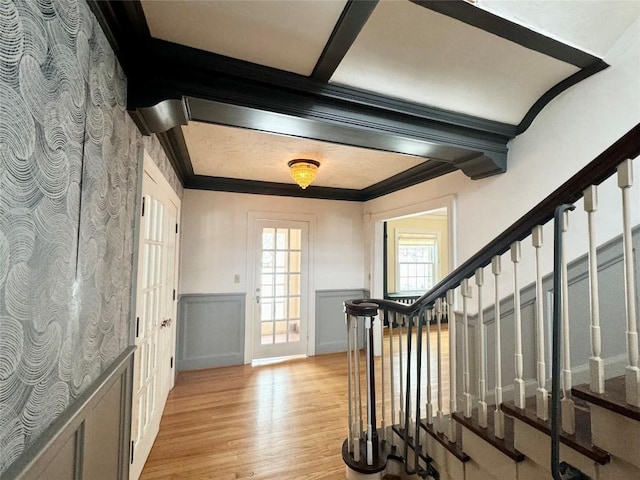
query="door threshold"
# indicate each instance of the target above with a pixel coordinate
(271, 360)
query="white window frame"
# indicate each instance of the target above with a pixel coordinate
(416, 231)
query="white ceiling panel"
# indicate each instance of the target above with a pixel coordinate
(409, 52)
(281, 34)
(590, 25)
(221, 151)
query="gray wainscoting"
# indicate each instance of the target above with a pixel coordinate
(331, 333)
(90, 440)
(612, 318)
(210, 330)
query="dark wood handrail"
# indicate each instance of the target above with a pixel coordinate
(596, 172)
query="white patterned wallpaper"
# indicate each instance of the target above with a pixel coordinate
(68, 177)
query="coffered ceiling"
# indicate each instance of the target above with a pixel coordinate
(385, 94)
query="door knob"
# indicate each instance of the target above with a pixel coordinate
(257, 298)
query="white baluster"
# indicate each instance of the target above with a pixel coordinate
(542, 395)
(596, 365)
(498, 416)
(440, 422)
(482, 355)
(452, 367)
(632, 372)
(518, 383)
(466, 293)
(392, 378)
(566, 404)
(429, 406)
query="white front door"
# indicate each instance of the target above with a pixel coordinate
(280, 289)
(154, 365)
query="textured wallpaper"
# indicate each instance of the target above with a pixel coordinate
(68, 176)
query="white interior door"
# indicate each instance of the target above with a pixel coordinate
(280, 289)
(154, 364)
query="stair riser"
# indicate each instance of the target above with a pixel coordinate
(618, 435)
(449, 467)
(487, 458)
(529, 470)
(537, 446)
(475, 472)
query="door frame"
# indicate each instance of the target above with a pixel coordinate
(374, 228)
(249, 323)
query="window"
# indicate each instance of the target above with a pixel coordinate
(417, 267)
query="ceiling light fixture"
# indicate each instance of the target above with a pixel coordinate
(303, 171)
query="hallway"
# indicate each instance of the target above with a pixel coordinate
(284, 420)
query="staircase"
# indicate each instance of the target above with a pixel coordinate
(435, 404)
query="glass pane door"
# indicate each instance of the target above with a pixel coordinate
(279, 291)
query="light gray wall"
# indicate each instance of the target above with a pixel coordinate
(612, 318)
(210, 330)
(331, 333)
(211, 327)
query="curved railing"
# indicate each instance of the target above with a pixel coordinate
(405, 430)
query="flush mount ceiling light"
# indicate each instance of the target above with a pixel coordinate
(303, 171)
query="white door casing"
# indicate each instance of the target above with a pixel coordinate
(156, 309)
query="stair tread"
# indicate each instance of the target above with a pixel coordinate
(455, 448)
(580, 441)
(613, 398)
(506, 445)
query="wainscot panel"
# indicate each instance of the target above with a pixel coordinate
(331, 333)
(90, 440)
(210, 330)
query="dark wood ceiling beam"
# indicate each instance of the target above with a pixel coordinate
(237, 185)
(177, 66)
(353, 18)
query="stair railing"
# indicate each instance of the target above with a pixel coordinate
(414, 373)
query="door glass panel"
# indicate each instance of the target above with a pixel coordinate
(294, 284)
(267, 238)
(295, 239)
(280, 286)
(266, 333)
(294, 261)
(281, 332)
(294, 307)
(282, 238)
(294, 331)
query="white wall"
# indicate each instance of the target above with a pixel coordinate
(214, 240)
(570, 132)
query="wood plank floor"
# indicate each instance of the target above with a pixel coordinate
(280, 421)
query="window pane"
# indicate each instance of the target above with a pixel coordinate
(267, 238)
(294, 264)
(294, 284)
(294, 331)
(266, 310)
(296, 239)
(280, 309)
(266, 337)
(267, 262)
(281, 261)
(281, 332)
(294, 307)
(282, 238)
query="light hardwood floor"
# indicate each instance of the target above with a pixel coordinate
(280, 421)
